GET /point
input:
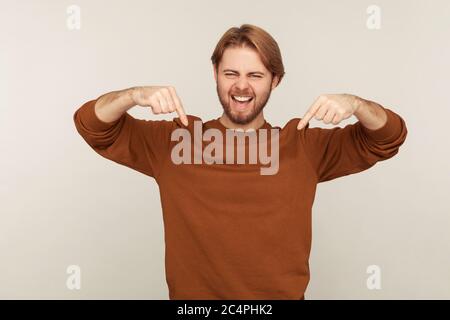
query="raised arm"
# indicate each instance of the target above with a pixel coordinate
(336, 152)
(142, 145)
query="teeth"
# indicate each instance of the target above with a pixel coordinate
(240, 98)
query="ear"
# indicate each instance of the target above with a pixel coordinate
(215, 72)
(275, 80)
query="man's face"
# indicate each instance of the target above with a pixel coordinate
(241, 73)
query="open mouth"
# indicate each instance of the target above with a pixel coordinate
(241, 102)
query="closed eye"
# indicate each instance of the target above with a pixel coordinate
(232, 74)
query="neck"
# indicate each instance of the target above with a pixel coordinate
(254, 124)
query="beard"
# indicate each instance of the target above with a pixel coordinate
(257, 105)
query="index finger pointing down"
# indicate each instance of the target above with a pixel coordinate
(309, 114)
(179, 107)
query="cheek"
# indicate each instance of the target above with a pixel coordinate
(224, 88)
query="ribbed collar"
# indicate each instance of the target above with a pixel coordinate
(215, 123)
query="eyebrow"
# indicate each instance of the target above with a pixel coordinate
(254, 72)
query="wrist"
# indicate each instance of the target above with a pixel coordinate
(357, 102)
(129, 96)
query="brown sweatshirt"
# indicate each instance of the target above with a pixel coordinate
(231, 232)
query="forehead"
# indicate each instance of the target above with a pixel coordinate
(242, 59)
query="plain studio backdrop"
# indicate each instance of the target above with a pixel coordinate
(64, 205)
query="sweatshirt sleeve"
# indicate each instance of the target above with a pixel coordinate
(337, 152)
(142, 145)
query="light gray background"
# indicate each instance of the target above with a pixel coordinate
(62, 204)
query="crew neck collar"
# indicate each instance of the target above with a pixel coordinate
(218, 125)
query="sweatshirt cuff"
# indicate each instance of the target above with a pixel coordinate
(390, 130)
(90, 120)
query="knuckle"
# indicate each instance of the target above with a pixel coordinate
(151, 100)
(171, 90)
(165, 90)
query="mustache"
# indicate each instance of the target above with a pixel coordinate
(242, 94)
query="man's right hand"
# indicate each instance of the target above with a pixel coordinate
(161, 99)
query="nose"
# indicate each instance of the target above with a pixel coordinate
(242, 85)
